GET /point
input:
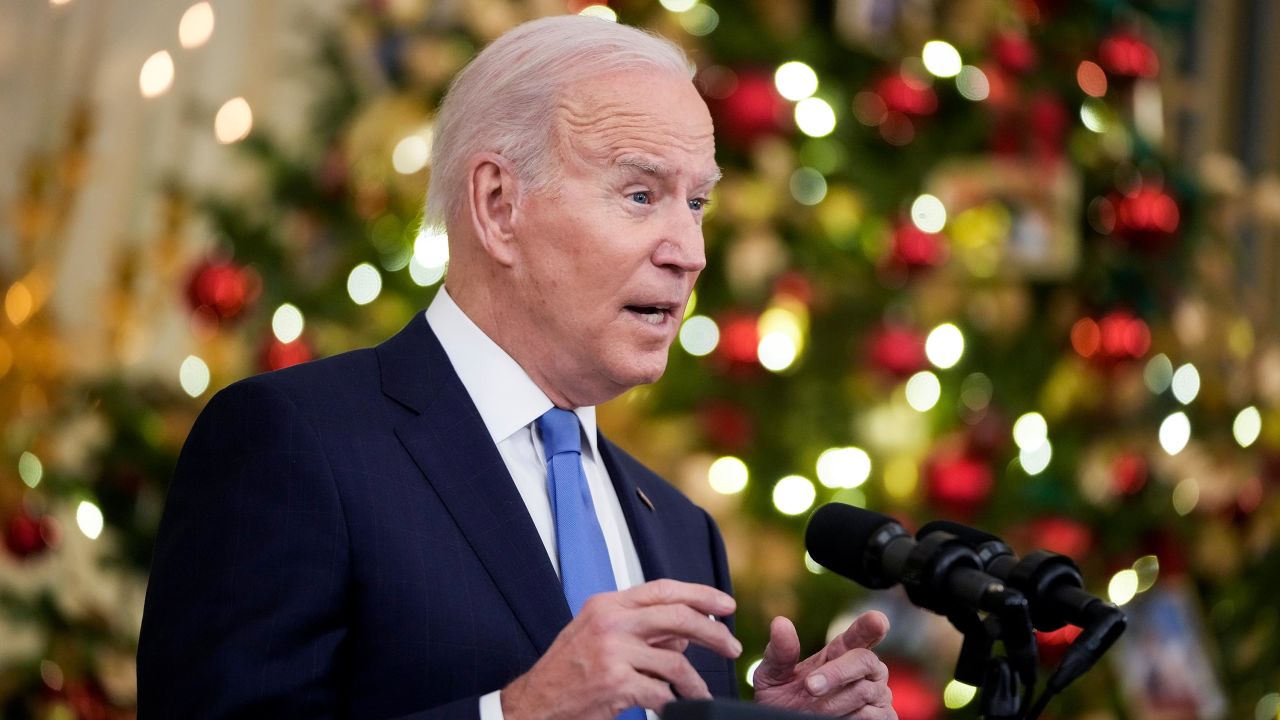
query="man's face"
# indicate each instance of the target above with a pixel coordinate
(609, 254)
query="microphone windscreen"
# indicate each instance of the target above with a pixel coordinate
(971, 536)
(837, 538)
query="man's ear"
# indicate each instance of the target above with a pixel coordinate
(493, 190)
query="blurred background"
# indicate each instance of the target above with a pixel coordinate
(1009, 262)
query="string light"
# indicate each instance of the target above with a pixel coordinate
(793, 495)
(815, 117)
(1030, 431)
(30, 469)
(1035, 460)
(944, 346)
(364, 284)
(1158, 374)
(412, 153)
(1147, 568)
(193, 376)
(18, 303)
(1186, 495)
(157, 75)
(1092, 78)
(973, 84)
(699, 20)
(678, 6)
(812, 565)
(808, 186)
(1186, 383)
(795, 80)
(777, 351)
(196, 26)
(1123, 586)
(957, 695)
(1093, 114)
(751, 671)
(604, 12)
(941, 59)
(699, 335)
(89, 519)
(923, 391)
(1247, 426)
(728, 475)
(928, 213)
(1175, 432)
(424, 276)
(233, 121)
(843, 467)
(287, 323)
(431, 248)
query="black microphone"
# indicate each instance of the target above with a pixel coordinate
(1051, 582)
(1054, 588)
(939, 572)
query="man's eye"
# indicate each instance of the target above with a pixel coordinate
(699, 204)
(640, 198)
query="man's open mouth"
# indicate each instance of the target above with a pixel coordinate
(652, 314)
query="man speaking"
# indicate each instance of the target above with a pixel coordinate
(434, 528)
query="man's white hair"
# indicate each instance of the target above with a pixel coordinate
(504, 100)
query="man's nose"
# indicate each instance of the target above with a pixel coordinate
(681, 247)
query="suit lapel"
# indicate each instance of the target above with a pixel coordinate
(641, 516)
(451, 446)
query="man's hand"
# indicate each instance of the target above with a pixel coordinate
(844, 679)
(624, 649)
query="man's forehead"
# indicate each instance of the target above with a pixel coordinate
(660, 124)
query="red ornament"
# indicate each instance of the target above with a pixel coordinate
(727, 426)
(914, 249)
(1048, 122)
(26, 536)
(897, 350)
(1128, 473)
(958, 482)
(907, 94)
(795, 286)
(1061, 535)
(988, 433)
(277, 355)
(752, 110)
(1014, 52)
(739, 341)
(1145, 218)
(1117, 336)
(221, 289)
(915, 697)
(1125, 54)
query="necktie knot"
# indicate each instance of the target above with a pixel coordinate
(560, 432)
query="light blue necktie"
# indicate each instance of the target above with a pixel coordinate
(584, 558)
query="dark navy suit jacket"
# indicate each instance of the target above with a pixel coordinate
(342, 538)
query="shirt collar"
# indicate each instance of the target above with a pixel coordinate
(505, 395)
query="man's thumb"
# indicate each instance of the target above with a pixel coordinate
(780, 655)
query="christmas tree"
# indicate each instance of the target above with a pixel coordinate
(955, 270)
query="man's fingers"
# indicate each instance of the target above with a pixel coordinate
(780, 655)
(673, 668)
(669, 621)
(703, 598)
(866, 631)
(647, 692)
(857, 672)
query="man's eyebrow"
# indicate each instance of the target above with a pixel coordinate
(652, 167)
(646, 165)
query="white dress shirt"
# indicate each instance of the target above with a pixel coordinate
(509, 403)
